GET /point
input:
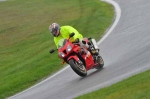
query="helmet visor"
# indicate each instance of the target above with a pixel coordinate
(54, 32)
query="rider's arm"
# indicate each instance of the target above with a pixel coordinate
(56, 40)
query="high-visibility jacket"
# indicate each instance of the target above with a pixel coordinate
(64, 33)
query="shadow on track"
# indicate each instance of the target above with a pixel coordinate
(92, 73)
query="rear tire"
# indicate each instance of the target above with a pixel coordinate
(100, 62)
(79, 69)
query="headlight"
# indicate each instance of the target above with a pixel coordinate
(68, 49)
(61, 54)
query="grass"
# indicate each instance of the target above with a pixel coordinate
(25, 39)
(136, 87)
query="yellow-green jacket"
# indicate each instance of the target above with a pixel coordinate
(64, 33)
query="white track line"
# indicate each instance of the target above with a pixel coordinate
(117, 17)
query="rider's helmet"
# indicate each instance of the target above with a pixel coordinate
(54, 29)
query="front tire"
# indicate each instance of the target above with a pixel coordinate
(78, 68)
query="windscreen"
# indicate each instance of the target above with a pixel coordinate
(61, 43)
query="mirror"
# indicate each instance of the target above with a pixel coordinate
(52, 51)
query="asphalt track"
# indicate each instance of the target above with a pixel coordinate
(125, 50)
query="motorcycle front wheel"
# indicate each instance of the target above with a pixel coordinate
(78, 68)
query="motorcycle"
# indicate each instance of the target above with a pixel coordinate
(80, 59)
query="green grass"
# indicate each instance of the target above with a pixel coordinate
(25, 39)
(136, 87)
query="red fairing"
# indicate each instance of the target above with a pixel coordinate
(88, 60)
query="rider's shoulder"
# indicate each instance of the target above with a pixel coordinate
(66, 26)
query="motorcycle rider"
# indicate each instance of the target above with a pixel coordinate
(63, 32)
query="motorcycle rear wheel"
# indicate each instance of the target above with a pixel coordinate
(79, 69)
(100, 62)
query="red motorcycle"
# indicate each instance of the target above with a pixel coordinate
(81, 59)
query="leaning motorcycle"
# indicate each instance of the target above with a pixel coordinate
(81, 59)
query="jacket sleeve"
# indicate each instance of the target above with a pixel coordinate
(56, 40)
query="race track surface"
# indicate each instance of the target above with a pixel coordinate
(126, 51)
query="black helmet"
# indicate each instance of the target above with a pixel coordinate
(54, 29)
